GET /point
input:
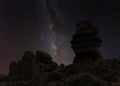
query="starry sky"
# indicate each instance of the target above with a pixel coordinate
(23, 26)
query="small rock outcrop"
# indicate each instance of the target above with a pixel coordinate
(32, 67)
(22, 70)
(86, 41)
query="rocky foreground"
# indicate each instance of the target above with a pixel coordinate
(40, 70)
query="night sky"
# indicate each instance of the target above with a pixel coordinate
(23, 27)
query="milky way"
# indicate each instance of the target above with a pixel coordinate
(56, 31)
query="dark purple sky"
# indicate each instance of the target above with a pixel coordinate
(22, 26)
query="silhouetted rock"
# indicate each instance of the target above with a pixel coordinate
(86, 41)
(25, 69)
(12, 71)
(22, 70)
(43, 57)
(33, 70)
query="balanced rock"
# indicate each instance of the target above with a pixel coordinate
(86, 41)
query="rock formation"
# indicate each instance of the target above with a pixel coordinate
(39, 69)
(86, 41)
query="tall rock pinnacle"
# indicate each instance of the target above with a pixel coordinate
(86, 41)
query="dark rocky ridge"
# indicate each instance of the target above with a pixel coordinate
(88, 68)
